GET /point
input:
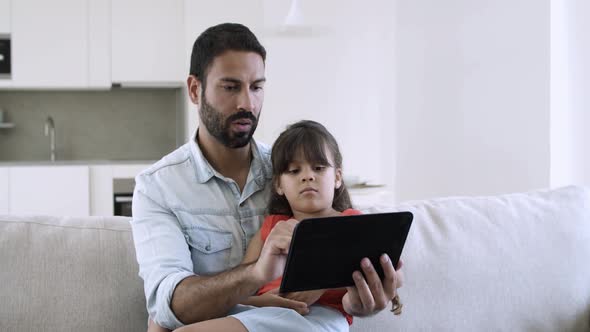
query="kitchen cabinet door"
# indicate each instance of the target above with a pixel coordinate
(147, 39)
(51, 190)
(4, 16)
(50, 43)
(3, 190)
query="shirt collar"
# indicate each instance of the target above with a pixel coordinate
(204, 171)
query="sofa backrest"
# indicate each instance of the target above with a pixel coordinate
(517, 262)
(69, 274)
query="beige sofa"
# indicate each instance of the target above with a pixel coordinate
(518, 262)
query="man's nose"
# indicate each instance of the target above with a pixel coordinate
(246, 101)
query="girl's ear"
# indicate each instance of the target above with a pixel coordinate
(278, 189)
(338, 183)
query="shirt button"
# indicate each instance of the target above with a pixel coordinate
(208, 247)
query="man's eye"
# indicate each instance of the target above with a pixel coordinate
(257, 88)
(230, 87)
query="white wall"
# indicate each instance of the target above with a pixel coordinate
(338, 73)
(433, 98)
(563, 139)
(579, 46)
(472, 97)
(570, 103)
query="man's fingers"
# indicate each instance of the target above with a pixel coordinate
(373, 280)
(399, 265)
(390, 279)
(400, 274)
(364, 292)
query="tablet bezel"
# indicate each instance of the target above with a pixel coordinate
(324, 252)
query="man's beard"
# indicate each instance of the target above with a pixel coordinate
(220, 128)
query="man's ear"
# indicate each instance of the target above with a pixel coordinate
(338, 183)
(194, 87)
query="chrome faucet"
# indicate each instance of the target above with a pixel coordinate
(50, 131)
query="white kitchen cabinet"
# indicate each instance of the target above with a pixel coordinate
(4, 16)
(60, 44)
(4, 190)
(99, 44)
(52, 190)
(147, 39)
(50, 43)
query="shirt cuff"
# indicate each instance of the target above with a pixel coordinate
(164, 315)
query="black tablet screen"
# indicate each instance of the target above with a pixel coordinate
(324, 252)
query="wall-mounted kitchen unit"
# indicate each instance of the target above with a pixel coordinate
(93, 44)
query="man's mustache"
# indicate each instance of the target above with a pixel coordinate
(242, 115)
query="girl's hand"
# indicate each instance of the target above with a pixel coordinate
(273, 255)
(272, 299)
(308, 297)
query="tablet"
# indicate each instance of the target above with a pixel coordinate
(324, 252)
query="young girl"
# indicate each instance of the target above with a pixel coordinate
(307, 182)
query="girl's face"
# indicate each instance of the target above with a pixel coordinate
(309, 187)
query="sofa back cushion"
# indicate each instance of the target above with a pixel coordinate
(69, 274)
(518, 262)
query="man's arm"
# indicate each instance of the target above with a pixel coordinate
(174, 294)
(200, 298)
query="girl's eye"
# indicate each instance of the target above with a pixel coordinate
(293, 171)
(320, 168)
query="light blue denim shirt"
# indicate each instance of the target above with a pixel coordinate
(190, 220)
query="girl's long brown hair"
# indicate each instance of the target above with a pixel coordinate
(311, 138)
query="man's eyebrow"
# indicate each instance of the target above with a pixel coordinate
(230, 80)
(236, 81)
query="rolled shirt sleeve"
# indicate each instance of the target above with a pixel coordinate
(162, 252)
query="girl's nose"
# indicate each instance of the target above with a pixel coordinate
(308, 176)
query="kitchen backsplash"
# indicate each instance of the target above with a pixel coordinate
(119, 124)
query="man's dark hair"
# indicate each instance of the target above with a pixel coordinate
(218, 39)
(312, 139)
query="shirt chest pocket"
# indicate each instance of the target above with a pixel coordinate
(210, 250)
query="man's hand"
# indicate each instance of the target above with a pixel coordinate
(273, 256)
(370, 295)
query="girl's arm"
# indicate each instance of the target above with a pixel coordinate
(270, 299)
(253, 250)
